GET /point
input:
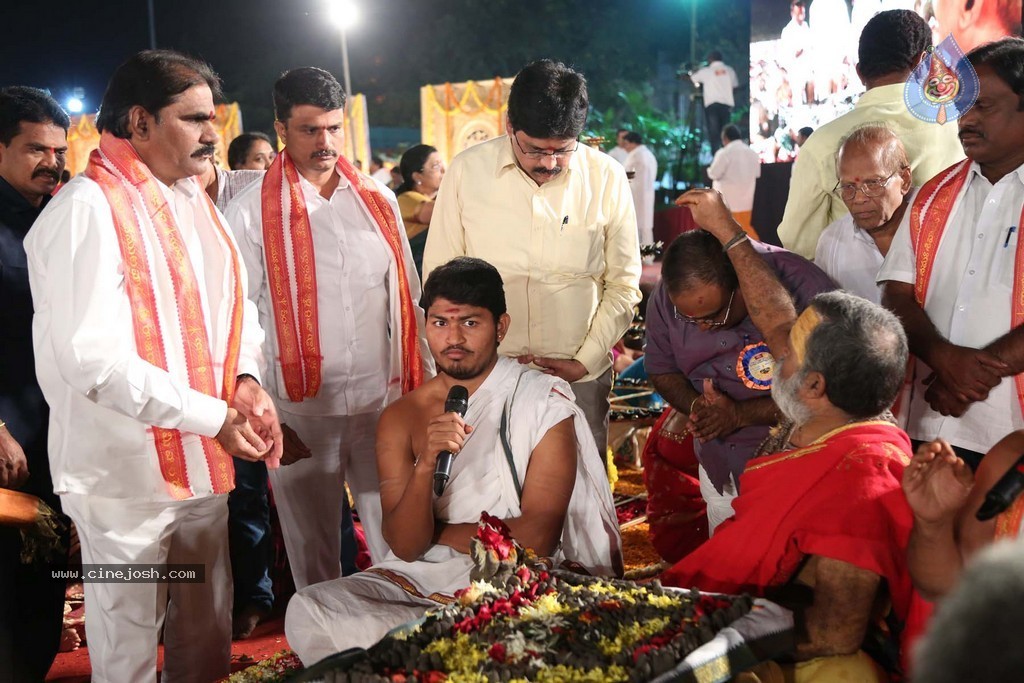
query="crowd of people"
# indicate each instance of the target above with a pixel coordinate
(181, 339)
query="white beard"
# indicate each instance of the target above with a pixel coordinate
(784, 393)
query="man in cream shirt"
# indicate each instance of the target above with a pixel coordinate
(891, 46)
(556, 219)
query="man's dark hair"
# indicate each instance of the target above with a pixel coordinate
(20, 103)
(892, 43)
(696, 258)
(732, 132)
(621, 130)
(376, 160)
(548, 100)
(806, 131)
(1006, 58)
(861, 350)
(635, 138)
(239, 148)
(151, 79)
(714, 56)
(306, 85)
(469, 281)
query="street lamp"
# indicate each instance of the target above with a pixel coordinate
(344, 14)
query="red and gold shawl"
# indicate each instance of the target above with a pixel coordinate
(291, 276)
(157, 270)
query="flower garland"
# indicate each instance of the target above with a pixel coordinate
(523, 621)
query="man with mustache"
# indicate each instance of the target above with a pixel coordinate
(820, 524)
(33, 145)
(556, 219)
(148, 353)
(524, 454)
(955, 270)
(332, 275)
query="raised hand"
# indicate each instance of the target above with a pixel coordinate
(937, 483)
(710, 213)
(446, 432)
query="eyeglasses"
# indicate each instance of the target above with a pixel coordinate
(709, 320)
(557, 154)
(870, 188)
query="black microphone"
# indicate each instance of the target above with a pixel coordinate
(457, 402)
(1002, 495)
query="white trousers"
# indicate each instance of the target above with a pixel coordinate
(308, 493)
(123, 620)
(719, 504)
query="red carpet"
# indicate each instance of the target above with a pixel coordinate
(73, 667)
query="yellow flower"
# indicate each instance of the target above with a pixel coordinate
(630, 634)
(564, 674)
(459, 654)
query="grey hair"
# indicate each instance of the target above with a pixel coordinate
(872, 135)
(971, 636)
(861, 350)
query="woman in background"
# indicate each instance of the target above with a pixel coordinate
(422, 170)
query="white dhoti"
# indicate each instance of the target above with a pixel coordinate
(356, 611)
(308, 493)
(124, 619)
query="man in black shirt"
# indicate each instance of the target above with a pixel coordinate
(33, 146)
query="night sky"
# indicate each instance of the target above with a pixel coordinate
(62, 45)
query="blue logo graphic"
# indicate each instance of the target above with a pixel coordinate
(943, 86)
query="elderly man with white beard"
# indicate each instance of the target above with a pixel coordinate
(821, 525)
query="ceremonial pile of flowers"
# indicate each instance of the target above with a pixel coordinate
(522, 621)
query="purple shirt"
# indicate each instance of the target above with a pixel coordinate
(676, 346)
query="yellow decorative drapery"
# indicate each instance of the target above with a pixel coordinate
(83, 137)
(454, 116)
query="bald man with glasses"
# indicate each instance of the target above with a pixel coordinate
(706, 357)
(556, 219)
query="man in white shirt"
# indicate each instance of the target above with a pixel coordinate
(148, 353)
(734, 172)
(891, 46)
(795, 48)
(619, 151)
(717, 81)
(379, 172)
(954, 272)
(332, 275)
(556, 219)
(644, 165)
(875, 185)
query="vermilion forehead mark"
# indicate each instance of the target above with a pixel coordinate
(453, 310)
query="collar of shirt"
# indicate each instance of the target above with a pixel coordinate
(310, 191)
(507, 160)
(17, 201)
(881, 95)
(976, 172)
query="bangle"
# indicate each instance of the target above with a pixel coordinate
(737, 238)
(694, 402)
(3, 425)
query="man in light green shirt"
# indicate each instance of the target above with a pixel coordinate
(891, 46)
(556, 219)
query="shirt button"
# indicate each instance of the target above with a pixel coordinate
(722, 342)
(960, 308)
(971, 272)
(981, 235)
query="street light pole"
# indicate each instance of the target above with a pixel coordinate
(344, 63)
(693, 33)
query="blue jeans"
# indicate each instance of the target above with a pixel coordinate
(249, 539)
